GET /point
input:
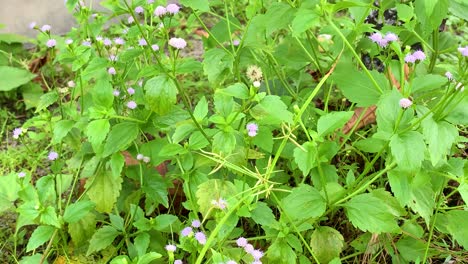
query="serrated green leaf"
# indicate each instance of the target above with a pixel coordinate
(165, 222)
(408, 150)
(61, 129)
(102, 239)
(96, 69)
(428, 82)
(331, 121)
(275, 11)
(102, 94)
(160, 94)
(440, 136)
(271, 110)
(76, 211)
(224, 141)
(120, 137)
(11, 77)
(148, 258)
(327, 243)
(117, 163)
(264, 139)
(40, 235)
(213, 189)
(103, 189)
(303, 20)
(202, 5)
(422, 196)
(197, 141)
(141, 243)
(304, 202)
(49, 217)
(82, 231)
(47, 100)
(306, 157)
(237, 90)
(457, 226)
(280, 252)
(171, 150)
(263, 215)
(216, 62)
(156, 191)
(201, 110)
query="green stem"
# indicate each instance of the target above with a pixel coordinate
(435, 44)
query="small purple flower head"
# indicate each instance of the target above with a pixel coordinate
(22, 174)
(51, 43)
(130, 20)
(119, 41)
(236, 42)
(155, 47)
(409, 58)
(146, 159)
(111, 71)
(46, 28)
(405, 103)
(69, 41)
(52, 155)
(71, 84)
(172, 9)
(139, 156)
(391, 37)
(142, 42)
(86, 43)
(200, 237)
(17, 132)
(186, 231)
(419, 55)
(177, 43)
(116, 93)
(160, 11)
(139, 9)
(171, 248)
(257, 254)
(249, 248)
(130, 91)
(252, 129)
(463, 51)
(377, 38)
(107, 42)
(150, 2)
(449, 76)
(131, 105)
(178, 261)
(196, 223)
(241, 242)
(32, 25)
(220, 203)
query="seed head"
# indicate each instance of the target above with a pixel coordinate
(254, 73)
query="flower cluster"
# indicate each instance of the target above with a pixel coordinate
(383, 41)
(405, 103)
(177, 43)
(220, 203)
(463, 51)
(52, 156)
(249, 249)
(170, 9)
(189, 230)
(252, 129)
(415, 56)
(17, 132)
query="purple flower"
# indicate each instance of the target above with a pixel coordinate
(131, 105)
(200, 237)
(107, 42)
(391, 37)
(22, 174)
(155, 47)
(177, 43)
(86, 43)
(257, 254)
(17, 132)
(139, 10)
(178, 261)
(409, 58)
(196, 223)
(46, 28)
(405, 103)
(449, 76)
(131, 91)
(249, 248)
(52, 155)
(231, 262)
(111, 71)
(463, 51)
(236, 42)
(186, 231)
(257, 262)
(32, 25)
(171, 248)
(220, 203)
(71, 84)
(377, 38)
(150, 2)
(252, 129)
(69, 41)
(116, 92)
(119, 41)
(419, 55)
(130, 20)
(241, 242)
(160, 11)
(172, 9)
(51, 43)
(142, 42)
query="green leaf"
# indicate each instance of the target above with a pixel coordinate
(463, 190)
(440, 136)
(197, 141)
(160, 94)
(148, 258)
(182, 131)
(331, 121)
(422, 196)
(459, 8)
(304, 202)
(405, 12)
(202, 5)
(216, 63)
(263, 215)
(275, 11)
(117, 163)
(32, 93)
(61, 129)
(82, 231)
(271, 110)
(357, 86)
(49, 217)
(165, 222)
(201, 110)
(97, 67)
(306, 157)
(224, 141)
(47, 100)
(103, 189)
(408, 150)
(389, 111)
(156, 191)
(280, 252)
(367, 213)
(120, 137)
(40, 235)
(102, 94)
(237, 90)
(264, 139)
(428, 82)
(411, 249)
(457, 226)
(102, 239)
(117, 221)
(171, 150)
(303, 20)
(76, 211)
(11, 77)
(213, 189)
(141, 243)
(327, 243)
